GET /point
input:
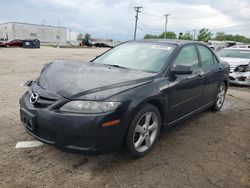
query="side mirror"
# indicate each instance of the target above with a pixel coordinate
(181, 70)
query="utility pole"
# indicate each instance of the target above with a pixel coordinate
(59, 34)
(194, 33)
(69, 36)
(137, 9)
(166, 23)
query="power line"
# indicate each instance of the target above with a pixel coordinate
(152, 14)
(109, 23)
(146, 28)
(151, 31)
(137, 9)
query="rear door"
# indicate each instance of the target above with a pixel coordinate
(185, 94)
(212, 73)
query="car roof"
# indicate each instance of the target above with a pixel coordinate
(167, 41)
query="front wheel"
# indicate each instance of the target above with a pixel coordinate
(220, 97)
(143, 131)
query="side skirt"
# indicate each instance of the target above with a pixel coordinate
(190, 114)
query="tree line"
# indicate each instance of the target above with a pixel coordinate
(203, 35)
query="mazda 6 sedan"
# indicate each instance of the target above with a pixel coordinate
(125, 97)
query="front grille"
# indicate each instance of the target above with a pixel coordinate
(44, 102)
(242, 78)
(41, 105)
(46, 133)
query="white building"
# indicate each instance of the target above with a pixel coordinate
(45, 33)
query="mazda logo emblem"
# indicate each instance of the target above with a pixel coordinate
(34, 97)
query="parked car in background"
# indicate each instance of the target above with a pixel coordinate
(13, 43)
(31, 43)
(126, 96)
(102, 45)
(239, 61)
(1, 44)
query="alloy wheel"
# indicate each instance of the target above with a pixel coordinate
(221, 96)
(145, 132)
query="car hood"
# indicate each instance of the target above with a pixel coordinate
(235, 61)
(88, 80)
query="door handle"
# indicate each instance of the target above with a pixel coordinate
(200, 76)
(220, 69)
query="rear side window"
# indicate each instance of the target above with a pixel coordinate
(187, 56)
(207, 58)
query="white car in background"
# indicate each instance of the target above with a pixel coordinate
(239, 61)
(241, 46)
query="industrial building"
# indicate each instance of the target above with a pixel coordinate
(47, 34)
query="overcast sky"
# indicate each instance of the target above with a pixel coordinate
(115, 18)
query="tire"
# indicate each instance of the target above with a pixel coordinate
(144, 131)
(220, 97)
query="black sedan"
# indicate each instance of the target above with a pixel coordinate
(127, 96)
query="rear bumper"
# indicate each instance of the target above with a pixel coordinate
(78, 133)
(240, 78)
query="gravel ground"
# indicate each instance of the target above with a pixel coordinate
(209, 150)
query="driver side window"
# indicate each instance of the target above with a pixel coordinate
(187, 56)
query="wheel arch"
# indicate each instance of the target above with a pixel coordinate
(160, 106)
(156, 101)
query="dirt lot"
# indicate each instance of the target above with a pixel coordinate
(210, 150)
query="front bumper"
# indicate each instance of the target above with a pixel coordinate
(78, 133)
(240, 78)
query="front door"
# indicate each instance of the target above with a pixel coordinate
(186, 91)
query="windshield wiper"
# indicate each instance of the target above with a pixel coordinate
(118, 66)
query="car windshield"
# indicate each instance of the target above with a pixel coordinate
(148, 57)
(237, 53)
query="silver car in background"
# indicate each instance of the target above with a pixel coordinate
(239, 61)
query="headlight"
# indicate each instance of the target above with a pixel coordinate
(243, 68)
(89, 107)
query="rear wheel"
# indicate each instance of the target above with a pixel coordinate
(143, 131)
(220, 97)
